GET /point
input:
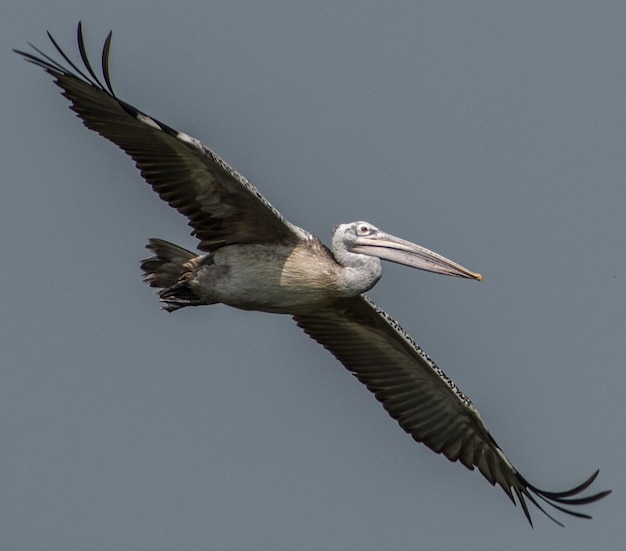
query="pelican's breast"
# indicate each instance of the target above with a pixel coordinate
(311, 268)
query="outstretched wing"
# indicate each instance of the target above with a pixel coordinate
(424, 401)
(221, 205)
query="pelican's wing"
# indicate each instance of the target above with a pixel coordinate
(426, 403)
(221, 205)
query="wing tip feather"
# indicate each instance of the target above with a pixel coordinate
(561, 501)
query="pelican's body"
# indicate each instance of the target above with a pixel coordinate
(269, 279)
(293, 276)
(254, 259)
(276, 279)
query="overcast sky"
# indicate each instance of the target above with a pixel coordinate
(491, 132)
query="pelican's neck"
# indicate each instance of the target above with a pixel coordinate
(358, 272)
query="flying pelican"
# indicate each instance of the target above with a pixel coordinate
(256, 260)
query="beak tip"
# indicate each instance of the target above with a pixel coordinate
(479, 277)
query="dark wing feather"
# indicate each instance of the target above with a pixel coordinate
(424, 401)
(221, 205)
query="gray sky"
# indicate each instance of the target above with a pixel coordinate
(492, 132)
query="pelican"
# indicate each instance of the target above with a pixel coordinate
(254, 259)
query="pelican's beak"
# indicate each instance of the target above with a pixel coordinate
(394, 249)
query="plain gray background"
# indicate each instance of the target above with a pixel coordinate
(492, 132)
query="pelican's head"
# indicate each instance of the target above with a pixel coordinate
(351, 241)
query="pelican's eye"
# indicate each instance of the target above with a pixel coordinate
(363, 229)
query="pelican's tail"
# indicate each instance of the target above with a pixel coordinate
(170, 271)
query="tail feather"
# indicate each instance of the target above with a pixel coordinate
(169, 271)
(166, 268)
